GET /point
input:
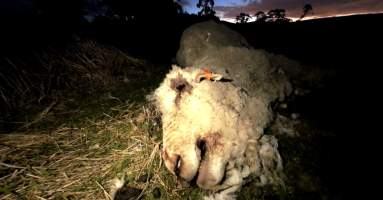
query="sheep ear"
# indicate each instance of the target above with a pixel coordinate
(208, 75)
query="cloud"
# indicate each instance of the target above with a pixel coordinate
(252, 1)
(321, 8)
(185, 2)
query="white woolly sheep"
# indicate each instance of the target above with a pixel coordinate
(211, 126)
(215, 111)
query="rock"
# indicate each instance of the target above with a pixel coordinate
(215, 47)
(202, 38)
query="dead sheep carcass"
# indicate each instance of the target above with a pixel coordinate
(214, 111)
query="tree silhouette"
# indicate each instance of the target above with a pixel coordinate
(306, 9)
(177, 7)
(243, 18)
(260, 16)
(206, 7)
(278, 15)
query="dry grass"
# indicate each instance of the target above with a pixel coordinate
(72, 141)
(86, 65)
(81, 162)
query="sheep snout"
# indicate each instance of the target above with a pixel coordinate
(183, 164)
(213, 164)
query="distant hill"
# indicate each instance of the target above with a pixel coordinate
(338, 42)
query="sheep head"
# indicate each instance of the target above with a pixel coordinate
(203, 124)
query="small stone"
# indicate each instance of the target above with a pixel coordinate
(283, 105)
(294, 116)
(96, 146)
(141, 118)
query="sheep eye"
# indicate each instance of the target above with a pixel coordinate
(180, 87)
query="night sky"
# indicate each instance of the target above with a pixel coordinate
(228, 9)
